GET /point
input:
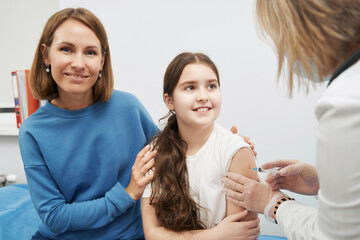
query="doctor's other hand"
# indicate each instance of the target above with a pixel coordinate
(294, 175)
(140, 176)
(246, 139)
(231, 228)
(247, 193)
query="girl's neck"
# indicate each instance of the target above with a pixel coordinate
(195, 137)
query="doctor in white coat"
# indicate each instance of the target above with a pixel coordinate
(319, 39)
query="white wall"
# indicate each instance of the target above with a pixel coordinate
(10, 160)
(21, 23)
(20, 26)
(145, 35)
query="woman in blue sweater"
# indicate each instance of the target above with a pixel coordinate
(83, 150)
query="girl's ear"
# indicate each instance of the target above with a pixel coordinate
(168, 101)
(45, 55)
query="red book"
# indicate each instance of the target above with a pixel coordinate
(25, 103)
(16, 98)
(32, 103)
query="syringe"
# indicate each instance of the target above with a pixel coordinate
(273, 171)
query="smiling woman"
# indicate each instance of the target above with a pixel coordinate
(75, 169)
(75, 60)
(76, 46)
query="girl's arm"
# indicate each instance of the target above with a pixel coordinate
(242, 163)
(228, 228)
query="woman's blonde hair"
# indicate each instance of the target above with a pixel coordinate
(311, 33)
(42, 84)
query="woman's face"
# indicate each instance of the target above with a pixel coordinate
(75, 58)
(196, 98)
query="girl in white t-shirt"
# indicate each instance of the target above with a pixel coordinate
(185, 199)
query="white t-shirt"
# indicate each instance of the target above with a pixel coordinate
(205, 170)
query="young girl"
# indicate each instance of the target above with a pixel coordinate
(185, 199)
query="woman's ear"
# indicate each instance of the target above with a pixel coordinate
(44, 53)
(168, 101)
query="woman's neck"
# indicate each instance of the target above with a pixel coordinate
(195, 137)
(72, 102)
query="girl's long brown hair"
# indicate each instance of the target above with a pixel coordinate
(171, 197)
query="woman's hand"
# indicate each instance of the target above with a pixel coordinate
(231, 228)
(247, 193)
(140, 176)
(294, 175)
(246, 139)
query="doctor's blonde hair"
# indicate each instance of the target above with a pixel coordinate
(320, 32)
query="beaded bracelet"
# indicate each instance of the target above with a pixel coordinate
(280, 201)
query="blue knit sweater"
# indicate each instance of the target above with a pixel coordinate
(78, 164)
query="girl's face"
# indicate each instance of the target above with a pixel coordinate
(75, 58)
(196, 98)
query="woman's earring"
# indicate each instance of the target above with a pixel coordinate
(47, 68)
(173, 112)
(100, 73)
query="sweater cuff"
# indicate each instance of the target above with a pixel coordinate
(120, 198)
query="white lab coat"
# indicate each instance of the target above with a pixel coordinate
(338, 166)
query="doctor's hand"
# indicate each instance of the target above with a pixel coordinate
(140, 176)
(294, 175)
(247, 193)
(246, 139)
(231, 228)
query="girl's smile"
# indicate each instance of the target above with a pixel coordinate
(196, 99)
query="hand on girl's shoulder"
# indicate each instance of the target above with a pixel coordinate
(234, 130)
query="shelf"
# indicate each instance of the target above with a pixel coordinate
(4, 131)
(8, 125)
